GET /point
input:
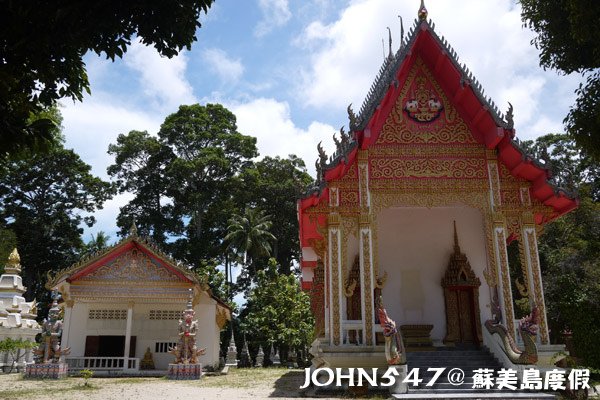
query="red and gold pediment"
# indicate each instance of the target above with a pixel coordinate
(130, 266)
(423, 114)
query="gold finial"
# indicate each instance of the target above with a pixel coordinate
(13, 265)
(14, 258)
(422, 14)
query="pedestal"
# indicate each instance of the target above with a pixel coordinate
(46, 371)
(399, 387)
(184, 371)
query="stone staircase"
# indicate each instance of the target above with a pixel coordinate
(466, 359)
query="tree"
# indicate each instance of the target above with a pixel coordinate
(278, 311)
(569, 41)
(140, 162)
(249, 234)
(16, 349)
(42, 45)
(43, 200)
(184, 181)
(569, 249)
(97, 243)
(8, 241)
(274, 185)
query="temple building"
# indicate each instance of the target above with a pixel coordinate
(17, 316)
(122, 307)
(430, 204)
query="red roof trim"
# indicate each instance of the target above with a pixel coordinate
(124, 247)
(476, 114)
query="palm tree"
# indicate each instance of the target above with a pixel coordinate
(249, 235)
(97, 243)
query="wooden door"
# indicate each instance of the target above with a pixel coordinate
(465, 315)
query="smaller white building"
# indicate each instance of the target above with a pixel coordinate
(128, 299)
(17, 316)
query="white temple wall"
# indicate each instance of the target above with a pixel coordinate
(414, 246)
(148, 331)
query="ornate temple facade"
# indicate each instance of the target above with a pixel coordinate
(122, 307)
(430, 203)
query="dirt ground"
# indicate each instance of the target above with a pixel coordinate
(237, 384)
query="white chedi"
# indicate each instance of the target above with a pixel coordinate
(17, 316)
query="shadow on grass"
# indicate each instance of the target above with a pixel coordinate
(288, 385)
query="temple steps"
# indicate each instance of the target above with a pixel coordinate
(468, 360)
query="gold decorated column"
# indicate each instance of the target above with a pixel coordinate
(366, 271)
(503, 273)
(534, 275)
(334, 256)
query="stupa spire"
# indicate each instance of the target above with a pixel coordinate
(422, 14)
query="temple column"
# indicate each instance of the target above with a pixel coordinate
(503, 274)
(366, 273)
(366, 249)
(334, 257)
(499, 236)
(534, 275)
(128, 334)
(67, 323)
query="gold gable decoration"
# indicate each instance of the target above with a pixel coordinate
(133, 265)
(399, 128)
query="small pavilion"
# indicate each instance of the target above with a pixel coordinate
(124, 303)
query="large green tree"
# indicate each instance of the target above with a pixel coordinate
(274, 184)
(184, 180)
(278, 311)
(44, 199)
(42, 44)
(569, 41)
(570, 248)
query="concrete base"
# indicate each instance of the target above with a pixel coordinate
(184, 371)
(399, 387)
(46, 371)
(549, 354)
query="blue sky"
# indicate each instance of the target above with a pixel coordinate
(289, 68)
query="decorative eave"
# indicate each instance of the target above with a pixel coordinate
(95, 260)
(489, 126)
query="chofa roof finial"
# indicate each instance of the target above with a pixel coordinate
(422, 11)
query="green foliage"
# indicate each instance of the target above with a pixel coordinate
(13, 348)
(184, 180)
(274, 185)
(97, 243)
(250, 235)
(278, 311)
(8, 241)
(86, 374)
(42, 45)
(569, 41)
(42, 199)
(570, 250)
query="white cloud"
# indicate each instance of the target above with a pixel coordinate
(95, 123)
(276, 13)
(227, 69)
(162, 79)
(270, 122)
